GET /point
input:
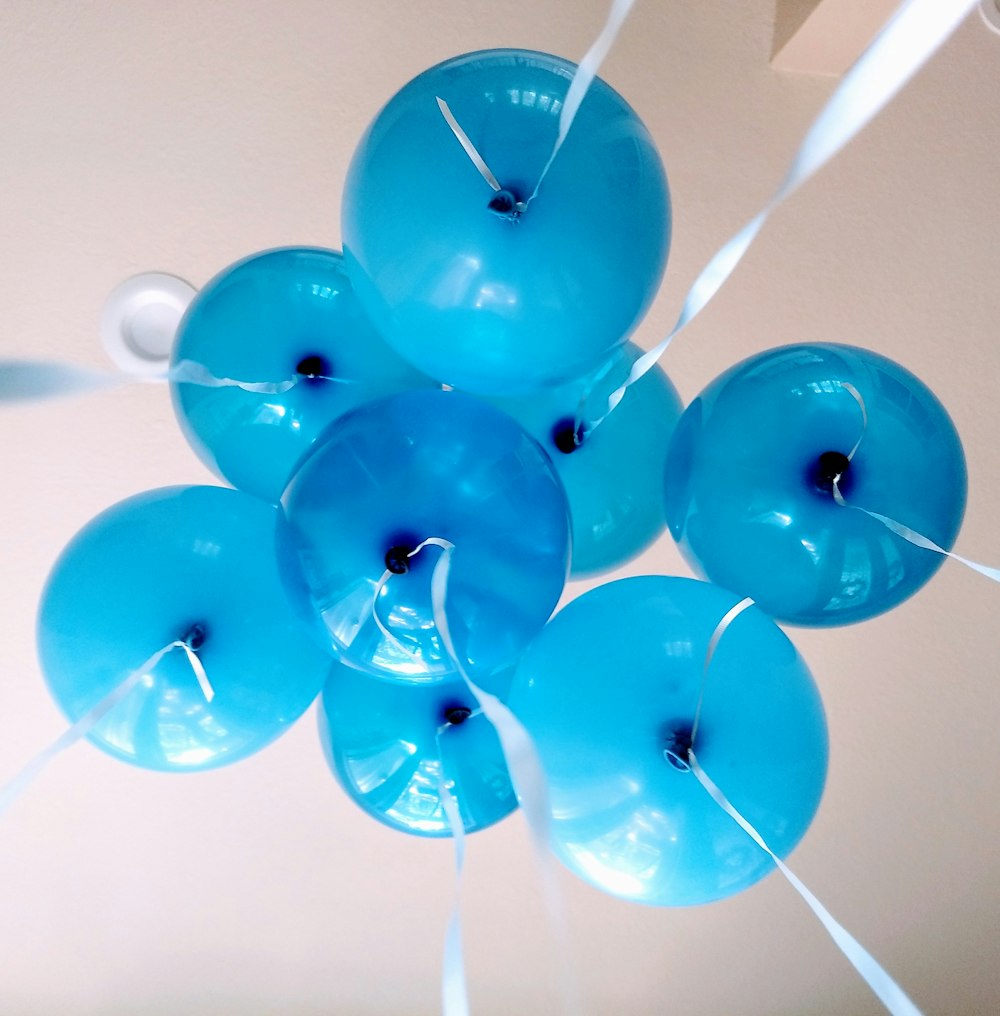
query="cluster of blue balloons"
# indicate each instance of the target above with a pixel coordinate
(434, 387)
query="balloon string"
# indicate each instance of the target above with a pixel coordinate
(888, 991)
(526, 773)
(586, 71)
(713, 644)
(470, 149)
(15, 787)
(35, 380)
(903, 45)
(454, 991)
(905, 532)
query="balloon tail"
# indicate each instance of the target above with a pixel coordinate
(526, 773)
(888, 991)
(14, 788)
(905, 43)
(38, 380)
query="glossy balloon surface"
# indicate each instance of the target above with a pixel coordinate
(603, 690)
(613, 478)
(742, 497)
(259, 321)
(485, 302)
(390, 745)
(141, 575)
(420, 465)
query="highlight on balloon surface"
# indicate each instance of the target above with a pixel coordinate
(460, 281)
(610, 692)
(287, 317)
(390, 746)
(613, 477)
(199, 565)
(751, 474)
(418, 465)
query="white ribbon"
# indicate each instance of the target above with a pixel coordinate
(905, 532)
(905, 43)
(15, 787)
(454, 992)
(34, 380)
(889, 992)
(586, 71)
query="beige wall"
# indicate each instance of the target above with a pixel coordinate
(179, 136)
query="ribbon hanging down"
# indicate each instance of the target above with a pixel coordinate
(15, 787)
(903, 46)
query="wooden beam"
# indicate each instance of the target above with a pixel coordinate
(825, 36)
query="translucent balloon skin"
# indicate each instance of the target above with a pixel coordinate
(743, 504)
(613, 479)
(141, 575)
(390, 744)
(256, 321)
(601, 691)
(487, 303)
(430, 464)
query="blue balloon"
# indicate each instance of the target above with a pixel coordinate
(750, 493)
(421, 465)
(467, 288)
(289, 318)
(614, 475)
(613, 683)
(391, 744)
(206, 565)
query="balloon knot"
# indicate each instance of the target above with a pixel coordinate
(677, 750)
(506, 205)
(195, 637)
(830, 470)
(397, 559)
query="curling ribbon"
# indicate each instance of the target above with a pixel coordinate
(904, 44)
(905, 532)
(34, 380)
(454, 992)
(524, 767)
(889, 992)
(14, 788)
(585, 73)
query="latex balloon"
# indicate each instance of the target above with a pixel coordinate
(613, 683)
(195, 564)
(430, 464)
(286, 320)
(391, 744)
(462, 284)
(750, 492)
(614, 475)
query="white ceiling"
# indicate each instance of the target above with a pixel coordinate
(180, 136)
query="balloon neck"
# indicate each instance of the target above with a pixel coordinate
(567, 435)
(397, 559)
(677, 750)
(313, 368)
(830, 470)
(195, 637)
(457, 715)
(505, 204)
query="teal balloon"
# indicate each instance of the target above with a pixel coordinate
(390, 746)
(203, 564)
(421, 465)
(613, 474)
(471, 292)
(749, 482)
(286, 318)
(613, 683)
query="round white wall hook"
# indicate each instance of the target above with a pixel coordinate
(140, 319)
(990, 10)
